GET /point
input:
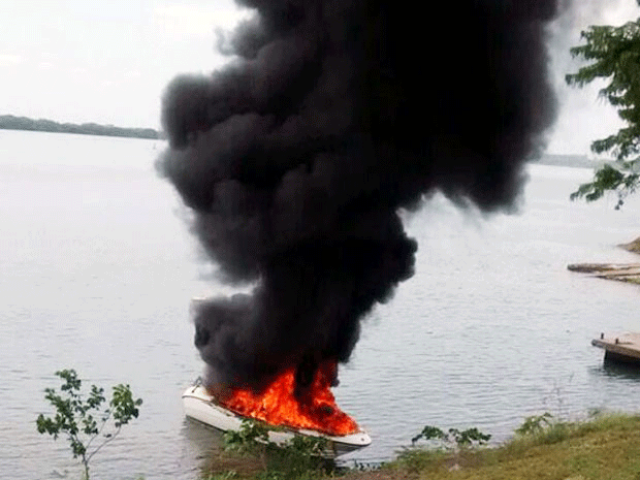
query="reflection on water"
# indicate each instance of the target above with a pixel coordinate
(205, 441)
(621, 370)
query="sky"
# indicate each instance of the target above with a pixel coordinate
(110, 61)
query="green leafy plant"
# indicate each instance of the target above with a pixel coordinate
(255, 435)
(453, 438)
(545, 429)
(87, 425)
(613, 54)
(298, 458)
(251, 437)
(535, 424)
(450, 446)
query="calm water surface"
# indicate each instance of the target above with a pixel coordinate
(98, 269)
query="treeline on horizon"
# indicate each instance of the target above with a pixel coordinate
(11, 122)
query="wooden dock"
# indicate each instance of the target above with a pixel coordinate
(623, 347)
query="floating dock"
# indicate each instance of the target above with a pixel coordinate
(623, 347)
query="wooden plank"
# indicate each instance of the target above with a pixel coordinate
(624, 346)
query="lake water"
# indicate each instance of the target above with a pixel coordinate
(98, 269)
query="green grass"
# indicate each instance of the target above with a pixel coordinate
(606, 447)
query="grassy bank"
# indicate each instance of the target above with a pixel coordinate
(605, 447)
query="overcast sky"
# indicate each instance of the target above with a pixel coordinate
(106, 61)
(109, 61)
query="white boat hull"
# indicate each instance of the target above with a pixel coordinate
(200, 405)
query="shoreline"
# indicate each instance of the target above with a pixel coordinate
(620, 272)
(606, 445)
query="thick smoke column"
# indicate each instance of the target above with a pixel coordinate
(297, 156)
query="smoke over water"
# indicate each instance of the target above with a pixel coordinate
(296, 157)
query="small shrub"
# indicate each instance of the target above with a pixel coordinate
(545, 430)
(555, 433)
(298, 458)
(453, 438)
(82, 420)
(251, 437)
(534, 424)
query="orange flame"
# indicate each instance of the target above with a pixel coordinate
(315, 409)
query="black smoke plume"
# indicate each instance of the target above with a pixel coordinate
(333, 115)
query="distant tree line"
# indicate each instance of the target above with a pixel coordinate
(10, 122)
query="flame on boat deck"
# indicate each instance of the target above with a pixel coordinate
(313, 409)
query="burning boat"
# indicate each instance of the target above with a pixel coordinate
(316, 416)
(297, 158)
